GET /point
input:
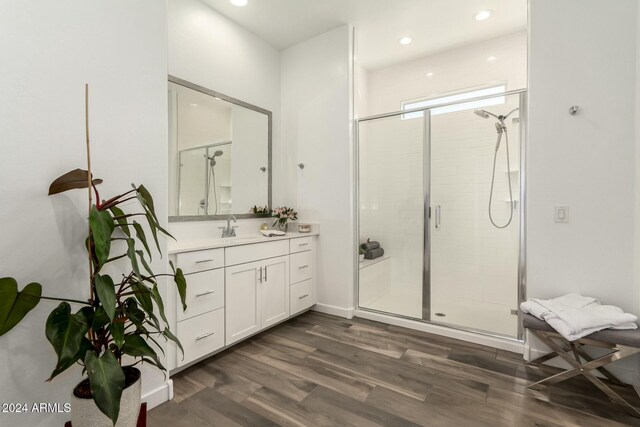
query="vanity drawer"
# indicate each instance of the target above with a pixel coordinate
(192, 262)
(255, 252)
(200, 336)
(301, 244)
(205, 292)
(301, 266)
(301, 296)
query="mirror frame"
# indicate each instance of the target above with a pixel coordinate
(269, 114)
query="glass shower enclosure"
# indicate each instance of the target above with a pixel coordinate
(440, 189)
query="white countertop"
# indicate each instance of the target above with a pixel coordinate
(189, 245)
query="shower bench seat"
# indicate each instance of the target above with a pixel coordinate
(622, 343)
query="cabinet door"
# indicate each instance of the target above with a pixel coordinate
(274, 291)
(242, 303)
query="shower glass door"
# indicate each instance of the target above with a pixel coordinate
(392, 214)
(474, 256)
(436, 193)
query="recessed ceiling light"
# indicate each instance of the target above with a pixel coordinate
(406, 40)
(239, 2)
(429, 74)
(482, 15)
(492, 59)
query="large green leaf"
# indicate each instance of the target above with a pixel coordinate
(169, 335)
(133, 257)
(100, 318)
(102, 226)
(144, 297)
(154, 230)
(117, 212)
(105, 288)
(146, 266)
(107, 382)
(65, 331)
(117, 332)
(15, 305)
(85, 345)
(135, 345)
(140, 235)
(146, 200)
(181, 284)
(155, 294)
(77, 178)
(135, 315)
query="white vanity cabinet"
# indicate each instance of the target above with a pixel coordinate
(257, 297)
(238, 290)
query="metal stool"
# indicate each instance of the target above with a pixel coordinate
(622, 343)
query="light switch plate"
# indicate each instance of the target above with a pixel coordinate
(561, 214)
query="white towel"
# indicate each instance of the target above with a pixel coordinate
(575, 316)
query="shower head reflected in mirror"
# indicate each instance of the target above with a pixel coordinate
(212, 159)
(481, 113)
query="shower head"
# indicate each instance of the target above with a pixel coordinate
(481, 113)
(212, 159)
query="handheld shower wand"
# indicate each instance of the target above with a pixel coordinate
(501, 129)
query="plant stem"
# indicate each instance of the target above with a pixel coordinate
(65, 299)
(115, 258)
(127, 216)
(90, 184)
(108, 203)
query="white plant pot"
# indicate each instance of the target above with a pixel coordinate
(85, 413)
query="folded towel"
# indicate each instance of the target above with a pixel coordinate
(575, 316)
(374, 253)
(271, 233)
(370, 245)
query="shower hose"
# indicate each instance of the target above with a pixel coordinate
(503, 129)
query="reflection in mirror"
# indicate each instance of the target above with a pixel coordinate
(219, 154)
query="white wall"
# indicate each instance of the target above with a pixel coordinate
(210, 50)
(49, 50)
(582, 53)
(452, 70)
(316, 120)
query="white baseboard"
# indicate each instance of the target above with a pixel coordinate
(490, 341)
(159, 395)
(334, 310)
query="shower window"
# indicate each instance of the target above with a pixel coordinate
(477, 93)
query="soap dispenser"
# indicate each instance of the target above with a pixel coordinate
(264, 226)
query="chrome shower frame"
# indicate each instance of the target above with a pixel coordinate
(426, 291)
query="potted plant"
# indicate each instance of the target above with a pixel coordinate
(283, 215)
(261, 211)
(118, 325)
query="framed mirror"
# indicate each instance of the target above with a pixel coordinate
(219, 154)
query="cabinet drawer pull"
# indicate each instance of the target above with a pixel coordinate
(303, 296)
(201, 294)
(204, 336)
(303, 266)
(303, 244)
(205, 260)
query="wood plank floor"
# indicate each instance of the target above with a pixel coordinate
(320, 370)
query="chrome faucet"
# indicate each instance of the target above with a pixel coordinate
(229, 231)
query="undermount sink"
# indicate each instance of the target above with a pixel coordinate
(240, 239)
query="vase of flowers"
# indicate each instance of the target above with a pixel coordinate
(283, 215)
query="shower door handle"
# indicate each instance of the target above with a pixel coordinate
(438, 216)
